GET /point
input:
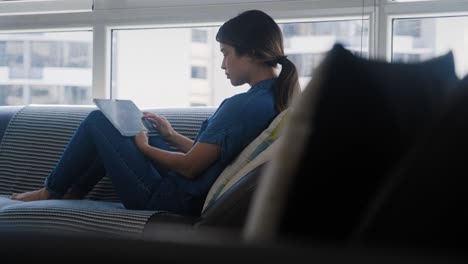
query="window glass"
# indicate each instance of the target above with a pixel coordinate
(416, 40)
(46, 68)
(199, 35)
(199, 72)
(180, 67)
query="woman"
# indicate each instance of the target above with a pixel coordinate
(145, 174)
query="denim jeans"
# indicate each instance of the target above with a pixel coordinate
(98, 148)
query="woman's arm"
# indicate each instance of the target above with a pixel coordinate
(189, 164)
(182, 143)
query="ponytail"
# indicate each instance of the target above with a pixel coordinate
(287, 85)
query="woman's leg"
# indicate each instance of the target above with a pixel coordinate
(85, 183)
(78, 156)
(137, 182)
(96, 171)
(134, 176)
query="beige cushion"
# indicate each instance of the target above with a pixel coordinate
(260, 150)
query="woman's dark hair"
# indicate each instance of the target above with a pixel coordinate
(256, 34)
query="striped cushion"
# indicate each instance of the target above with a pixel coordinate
(256, 153)
(96, 217)
(33, 143)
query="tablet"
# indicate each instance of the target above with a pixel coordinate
(124, 115)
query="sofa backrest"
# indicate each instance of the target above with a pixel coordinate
(32, 143)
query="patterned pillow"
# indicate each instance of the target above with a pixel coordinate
(248, 159)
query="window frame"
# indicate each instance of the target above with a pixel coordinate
(25, 7)
(108, 15)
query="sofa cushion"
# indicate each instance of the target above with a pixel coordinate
(423, 203)
(352, 125)
(256, 153)
(73, 216)
(231, 208)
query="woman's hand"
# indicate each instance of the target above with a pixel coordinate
(162, 125)
(141, 140)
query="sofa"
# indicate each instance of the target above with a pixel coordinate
(32, 140)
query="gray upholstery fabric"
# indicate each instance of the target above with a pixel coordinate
(67, 216)
(32, 144)
(6, 114)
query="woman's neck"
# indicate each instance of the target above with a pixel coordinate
(263, 73)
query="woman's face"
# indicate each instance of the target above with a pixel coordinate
(236, 68)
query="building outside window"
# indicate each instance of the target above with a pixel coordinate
(419, 39)
(199, 72)
(46, 68)
(199, 35)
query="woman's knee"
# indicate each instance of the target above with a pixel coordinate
(96, 119)
(95, 115)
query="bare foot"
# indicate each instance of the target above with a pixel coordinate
(41, 194)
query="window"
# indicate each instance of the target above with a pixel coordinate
(197, 104)
(13, 53)
(11, 95)
(152, 66)
(3, 58)
(199, 35)
(435, 36)
(408, 27)
(46, 68)
(306, 43)
(163, 67)
(406, 58)
(413, 0)
(198, 72)
(29, 7)
(306, 63)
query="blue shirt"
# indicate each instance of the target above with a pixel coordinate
(237, 122)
